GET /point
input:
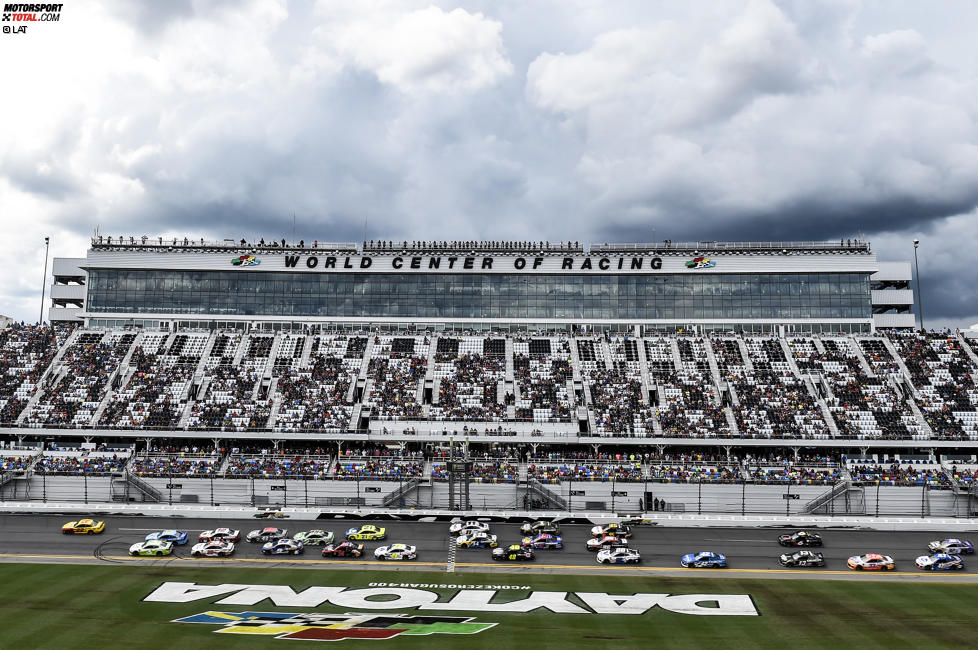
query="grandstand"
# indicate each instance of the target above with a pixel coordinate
(545, 364)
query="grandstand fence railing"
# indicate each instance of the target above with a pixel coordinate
(695, 497)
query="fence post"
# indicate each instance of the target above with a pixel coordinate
(285, 492)
(923, 500)
(212, 491)
(305, 486)
(743, 498)
(169, 485)
(787, 502)
(699, 496)
(44, 488)
(86, 489)
(612, 493)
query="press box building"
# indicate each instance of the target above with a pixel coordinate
(779, 287)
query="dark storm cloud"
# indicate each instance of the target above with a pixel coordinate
(809, 220)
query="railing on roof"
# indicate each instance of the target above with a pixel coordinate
(102, 242)
(848, 245)
(472, 246)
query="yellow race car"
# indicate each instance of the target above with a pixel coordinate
(83, 527)
(366, 532)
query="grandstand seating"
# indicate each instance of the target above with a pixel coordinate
(26, 351)
(468, 371)
(944, 376)
(658, 386)
(396, 370)
(542, 367)
(316, 398)
(689, 406)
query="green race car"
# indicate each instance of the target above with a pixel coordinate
(314, 538)
(152, 547)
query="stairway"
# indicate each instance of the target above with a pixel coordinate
(790, 356)
(868, 369)
(745, 354)
(732, 421)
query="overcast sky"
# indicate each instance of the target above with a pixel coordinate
(502, 119)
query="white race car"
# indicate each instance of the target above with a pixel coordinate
(619, 556)
(952, 547)
(468, 527)
(216, 548)
(282, 547)
(223, 534)
(608, 541)
(477, 540)
(269, 534)
(397, 552)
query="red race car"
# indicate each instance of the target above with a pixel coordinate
(343, 549)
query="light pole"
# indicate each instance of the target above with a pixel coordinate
(916, 266)
(44, 278)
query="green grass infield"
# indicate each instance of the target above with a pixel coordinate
(59, 606)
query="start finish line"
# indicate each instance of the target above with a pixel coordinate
(462, 600)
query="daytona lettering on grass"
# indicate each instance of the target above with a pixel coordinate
(464, 599)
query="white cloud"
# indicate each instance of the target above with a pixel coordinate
(748, 118)
(420, 50)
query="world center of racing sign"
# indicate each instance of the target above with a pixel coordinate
(354, 623)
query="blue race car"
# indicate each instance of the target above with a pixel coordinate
(543, 541)
(704, 560)
(940, 562)
(172, 536)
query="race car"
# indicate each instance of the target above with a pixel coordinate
(216, 548)
(801, 538)
(314, 538)
(173, 536)
(533, 527)
(270, 514)
(639, 522)
(940, 562)
(83, 527)
(952, 547)
(282, 547)
(222, 534)
(267, 535)
(513, 553)
(477, 540)
(397, 552)
(367, 532)
(343, 549)
(543, 541)
(802, 558)
(152, 547)
(619, 556)
(606, 542)
(871, 562)
(618, 530)
(704, 560)
(467, 527)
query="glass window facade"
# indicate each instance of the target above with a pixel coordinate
(481, 296)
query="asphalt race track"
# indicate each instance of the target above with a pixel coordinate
(751, 552)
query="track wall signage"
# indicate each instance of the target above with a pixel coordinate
(465, 598)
